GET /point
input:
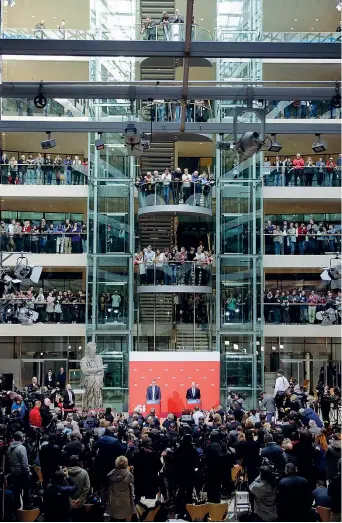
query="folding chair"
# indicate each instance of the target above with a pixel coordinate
(28, 515)
(197, 511)
(324, 513)
(217, 511)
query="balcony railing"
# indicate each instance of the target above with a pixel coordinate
(40, 174)
(314, 109)
(294, 241)
(48, 242)
(157, 32)
(308, 176)
(29, 311)
(170, 32)
(284, 311)
(226, 35)
(166, 273)
(152, 193)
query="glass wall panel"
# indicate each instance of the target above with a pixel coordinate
(174, 321)
(111, 292)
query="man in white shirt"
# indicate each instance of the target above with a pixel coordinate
(280, 388)
(149, 258)
(197, 415)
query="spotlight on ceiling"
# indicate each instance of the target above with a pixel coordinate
(50, 143)
(275, 146)
(319, 146)
(339, 5)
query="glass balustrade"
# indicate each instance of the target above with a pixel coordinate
(307, 176)
(161, 272)
(303, 308)
(319, 109)
(16, 173)
(29, 311)
(146, 31)
(189, 193)
(227, 35)
(170, 32)
(52, 241)
(297, 240)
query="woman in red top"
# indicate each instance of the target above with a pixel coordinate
(298, 169)
(301, 238)
(34, 415)
(330, 167)
(26, 230)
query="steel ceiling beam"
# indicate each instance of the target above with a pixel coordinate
(187, 44)
(104, 90)
(75, 125)
(91, 48)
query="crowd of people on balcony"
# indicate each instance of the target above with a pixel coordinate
(45, 237)
(174, 266)
(301, 306)
(301, 238)
(43, 170)
(169, 27)
(176, 187)
(51, 306)
(170, 111)
(297, 171)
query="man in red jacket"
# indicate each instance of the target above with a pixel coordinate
(35, 416)
(298, 166)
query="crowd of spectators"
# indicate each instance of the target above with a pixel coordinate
(173, 266)
(300, 306)
(51, 306)
(126, 465)
(175, 187)
(45, 237)
(295, 238)
(43, 170)
(299, 172)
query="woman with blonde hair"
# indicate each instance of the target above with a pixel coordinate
(121, 505)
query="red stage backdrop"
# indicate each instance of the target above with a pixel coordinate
(174, 373)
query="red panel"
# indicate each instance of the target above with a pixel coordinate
(174, 378)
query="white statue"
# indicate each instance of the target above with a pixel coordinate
(93, 370)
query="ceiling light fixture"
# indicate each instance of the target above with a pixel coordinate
(281, 346)
(292, 28)
(339, 5)
(296, 19)
(274, 348)
(319, 146)
(275, 146)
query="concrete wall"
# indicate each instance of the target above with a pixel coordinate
(27, 13)
(49, 71)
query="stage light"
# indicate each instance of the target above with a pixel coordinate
(319, 146)
(258, 343)
(262, 348)
(339, 5)
(275, 146)
(274, 348)
(235, 346)
(281, 346)
(80, 347)
(227, 342)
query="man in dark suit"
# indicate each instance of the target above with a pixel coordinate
(50, 380)
(193, 393)
(68, 398)
(153, 392)
(61, 378)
